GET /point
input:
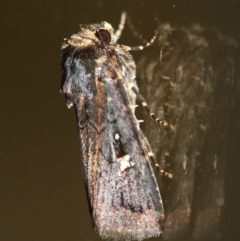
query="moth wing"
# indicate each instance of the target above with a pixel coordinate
(124, 195)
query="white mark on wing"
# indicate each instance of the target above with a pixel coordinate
(125, 162)
(117, 136)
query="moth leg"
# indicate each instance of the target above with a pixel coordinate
(147, 108)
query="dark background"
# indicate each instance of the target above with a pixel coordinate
(42, 194)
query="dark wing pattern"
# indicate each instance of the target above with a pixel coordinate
(123, 194)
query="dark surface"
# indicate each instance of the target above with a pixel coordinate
(195, 88)
(42, 194)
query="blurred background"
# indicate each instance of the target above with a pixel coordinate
(42, 195)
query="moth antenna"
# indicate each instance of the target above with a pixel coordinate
(121, 25)
(147, 108)
(158, 167)
(133, 29)
(140, 47)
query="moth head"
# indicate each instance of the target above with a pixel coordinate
(89, 33)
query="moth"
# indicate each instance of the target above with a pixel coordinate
(98, 79)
